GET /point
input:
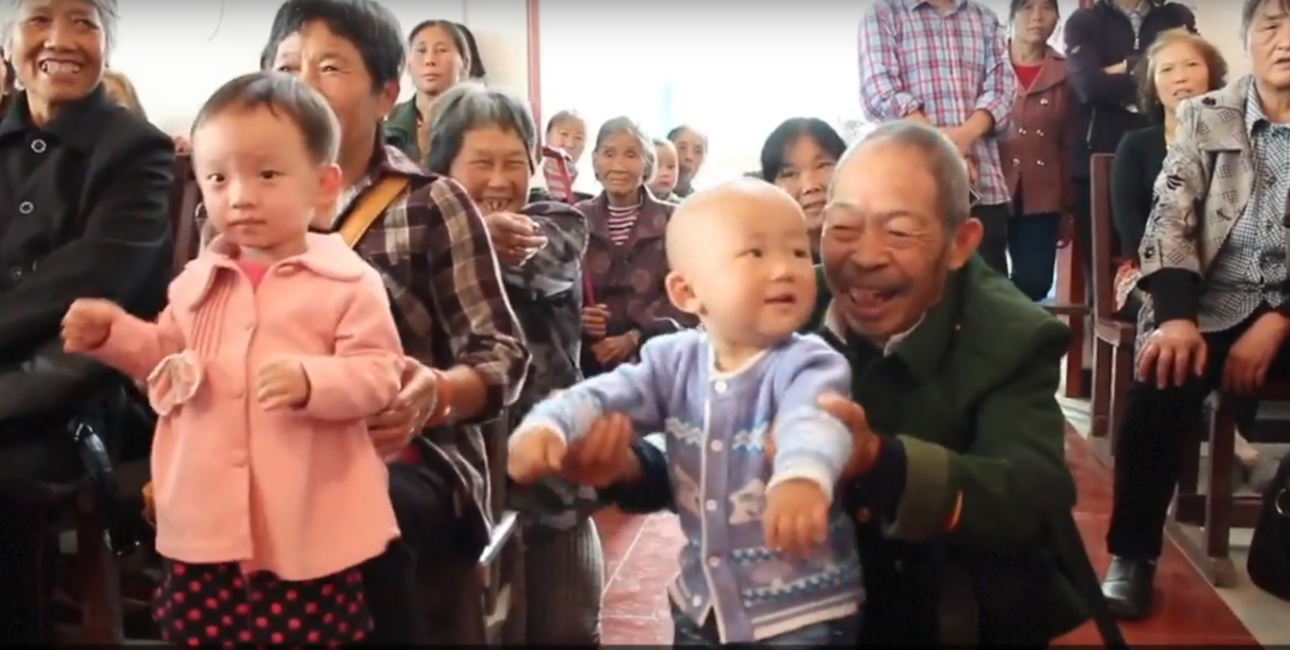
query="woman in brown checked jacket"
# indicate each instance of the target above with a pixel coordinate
(1036, 155)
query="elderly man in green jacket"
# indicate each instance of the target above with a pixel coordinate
(960, 466)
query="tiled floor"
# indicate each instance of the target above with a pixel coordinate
(641, 556)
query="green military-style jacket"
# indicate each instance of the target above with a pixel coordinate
(971, 393)
(400, 130)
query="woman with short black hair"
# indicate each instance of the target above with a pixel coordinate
(799, 157)
(440, 55)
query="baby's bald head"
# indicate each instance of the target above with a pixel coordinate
(724, 213)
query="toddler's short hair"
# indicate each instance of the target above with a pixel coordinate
(282, 94)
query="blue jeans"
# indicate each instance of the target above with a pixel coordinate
(1032, 246)
(841, 632)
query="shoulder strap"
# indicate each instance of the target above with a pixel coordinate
(370, 206)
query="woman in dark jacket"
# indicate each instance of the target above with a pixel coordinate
(88, 186)
(626, 261)
(439, 57)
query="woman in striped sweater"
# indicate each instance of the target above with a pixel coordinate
(626, 263)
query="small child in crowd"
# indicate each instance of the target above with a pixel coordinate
(274, 347)
(665, 171)
(769, 559)
(567, 131)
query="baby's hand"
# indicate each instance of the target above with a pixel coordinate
(797, 516)
(88, 323)
(535, 454)
(281, 383)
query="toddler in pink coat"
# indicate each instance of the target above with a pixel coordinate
(274, 347)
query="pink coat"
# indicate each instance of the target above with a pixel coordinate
(301, 493)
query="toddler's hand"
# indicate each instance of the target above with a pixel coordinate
(535, 454)
(797, 516)
(281, 383)
(88, 323)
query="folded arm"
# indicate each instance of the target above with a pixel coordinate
(122, 246)
(363, 374)
(883, 92)
(1093, 85)
(1168, 256)
(557, 267)
(809, 443)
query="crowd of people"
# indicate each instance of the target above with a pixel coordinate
(378, 280)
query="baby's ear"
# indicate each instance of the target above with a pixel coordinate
(681, 293)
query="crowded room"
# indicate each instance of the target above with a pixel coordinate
(927, 322)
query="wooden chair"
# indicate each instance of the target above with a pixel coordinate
(184, 199)
(1217, 509)
(1113, 336)
(1072, 305)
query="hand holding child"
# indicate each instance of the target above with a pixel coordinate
(535, 454)
(88, 323)
(796, 519)
(281, 383)
(593, 321)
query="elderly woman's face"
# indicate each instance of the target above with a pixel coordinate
(58, 49)
(1180, 72)
(494, 168)
(884, 248)
(1268, 41)
(434, 63)
(620, 163)
(806, 175)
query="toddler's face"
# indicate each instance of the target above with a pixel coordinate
(570, 136)
(664, 171)
(259, 184)
(754, 277)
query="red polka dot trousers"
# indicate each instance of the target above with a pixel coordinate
(216, 604)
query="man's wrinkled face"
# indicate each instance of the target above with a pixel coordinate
(885, 249)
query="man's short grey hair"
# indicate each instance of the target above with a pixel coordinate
(469, 106)
(108, 10)
(626, 125)
(944, 163)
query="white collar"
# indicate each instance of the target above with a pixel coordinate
(837, 326)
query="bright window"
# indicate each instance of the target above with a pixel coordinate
(734, 70)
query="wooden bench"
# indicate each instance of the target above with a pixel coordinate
(1113, 357)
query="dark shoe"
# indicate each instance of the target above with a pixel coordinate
(1128, 588)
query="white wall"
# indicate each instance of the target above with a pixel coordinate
(178, 53)
(1220, 22)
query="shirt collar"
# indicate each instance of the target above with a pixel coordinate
(1255, 119)
(915, 4)
(837, 326)
(386, 160)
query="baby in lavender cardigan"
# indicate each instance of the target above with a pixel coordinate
(770, 559)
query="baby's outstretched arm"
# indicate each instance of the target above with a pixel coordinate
(362, 376)
(635, 390)
(811, 447)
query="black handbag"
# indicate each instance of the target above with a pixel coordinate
(1269, 559)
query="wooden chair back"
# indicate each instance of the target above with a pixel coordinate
(184, 199)
(1103, 237)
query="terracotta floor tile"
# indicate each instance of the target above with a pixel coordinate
(642, 554)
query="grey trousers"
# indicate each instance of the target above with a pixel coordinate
(564, 577)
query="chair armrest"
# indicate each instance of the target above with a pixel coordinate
(501, 534)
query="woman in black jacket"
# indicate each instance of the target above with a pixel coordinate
(86, 187)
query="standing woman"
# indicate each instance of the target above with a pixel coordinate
(626, 262)
(87, 185)
(1036, 154)
(438, 59)
(799, 156)
(691, 150)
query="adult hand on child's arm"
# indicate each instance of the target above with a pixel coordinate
(604, 457)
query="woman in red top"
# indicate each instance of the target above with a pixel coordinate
(1036, 155)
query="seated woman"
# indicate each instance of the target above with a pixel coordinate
(799, 156)
(1217, 311)
(1178, 66)
(89, 186)
(625, 262)
(487, 141)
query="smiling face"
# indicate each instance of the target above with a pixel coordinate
(885, 248)
(58, 49)
(620, 163)
(493, 167)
